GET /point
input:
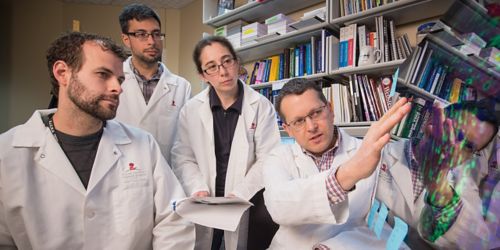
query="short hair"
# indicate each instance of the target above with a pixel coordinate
(68, 48)
(138, 12)
(298, 86)
(206, 42)
(483, 110)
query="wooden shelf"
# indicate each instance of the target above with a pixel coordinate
(252, 12)
(275, 45)
(384, 68)
(402, 12)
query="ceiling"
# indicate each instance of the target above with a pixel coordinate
(169, 4)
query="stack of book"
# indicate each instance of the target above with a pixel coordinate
(232, 32)
(349, 7)
(278, 24)
(472, 44)
(251, 32)
(310, 18)
(492, 56)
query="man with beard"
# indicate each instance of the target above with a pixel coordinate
(72, 178)
(152, 96)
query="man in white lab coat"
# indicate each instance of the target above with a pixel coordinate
(72, 178)
(322, 187)
(152, 96)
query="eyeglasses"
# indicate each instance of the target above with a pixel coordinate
(214, 68)
(143, 35)
(315, 115)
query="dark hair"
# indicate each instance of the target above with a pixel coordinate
(484, 110)
(298, 86)
(68, 48)
(206, 42)
(138, 12)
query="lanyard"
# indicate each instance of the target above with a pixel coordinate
(52, 128)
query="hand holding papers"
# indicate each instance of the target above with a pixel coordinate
(216, 212)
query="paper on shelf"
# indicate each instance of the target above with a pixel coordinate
(216, 212)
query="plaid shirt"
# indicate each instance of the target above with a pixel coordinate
(324, 162)
(147, 86)
(446, 215)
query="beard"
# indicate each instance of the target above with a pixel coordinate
(146, 59)
(89, 103)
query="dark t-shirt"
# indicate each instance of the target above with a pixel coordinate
(81, 152)
(224, 126)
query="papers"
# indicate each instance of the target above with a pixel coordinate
(216, 212)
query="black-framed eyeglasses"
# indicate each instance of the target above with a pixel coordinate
(143, 35)
(214, 68)
(315, 115)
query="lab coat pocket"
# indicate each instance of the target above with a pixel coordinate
(134, 206)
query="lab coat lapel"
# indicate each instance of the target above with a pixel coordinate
(205, 114)
(237, 164)
(400, 174)
(50, 156)
(132, 90)
(108, 153)
(160, 91)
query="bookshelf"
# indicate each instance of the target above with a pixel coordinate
(253, 11)
(276, 44)
(384, 68)
(402, 11)
(446, 67)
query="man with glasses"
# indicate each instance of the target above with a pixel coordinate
(152, 95)
(321, 188)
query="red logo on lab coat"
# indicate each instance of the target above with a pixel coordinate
(384, 167)
(253, 126)
(131, 166)
(173, 103)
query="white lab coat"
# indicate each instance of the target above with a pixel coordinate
(194, 162)
(44, 205)
(159, 116)
(296, 196)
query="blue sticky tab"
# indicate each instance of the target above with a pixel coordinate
(382, 215)
(394, 82)
(373, 211)
(398, 234)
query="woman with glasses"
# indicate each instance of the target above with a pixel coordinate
(224, 133)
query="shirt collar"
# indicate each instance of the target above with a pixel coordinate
(330, 150)
(156, 76)
(215, 101)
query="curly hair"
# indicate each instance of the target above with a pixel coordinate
(68, 48)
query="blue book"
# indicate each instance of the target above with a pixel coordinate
(301, 60)
(428, 83)
(297, 61)
(426, 73)
(282, 67)
(308, 59)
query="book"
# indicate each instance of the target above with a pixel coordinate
(224, 6)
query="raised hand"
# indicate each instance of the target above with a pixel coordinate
(367, 157)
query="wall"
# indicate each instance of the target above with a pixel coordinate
(24, 82)
(29, 26)
(107, 24)
(192, 28)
